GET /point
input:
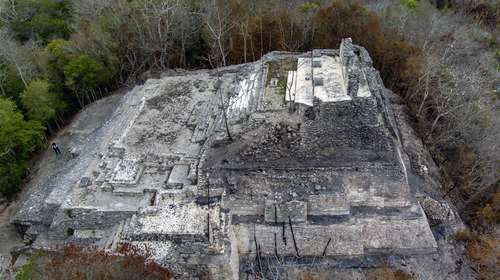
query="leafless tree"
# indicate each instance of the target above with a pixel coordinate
(293, 83)
(154, 35)
(90, 9)
(243, 29)
(218, 27)
(453, 97)
(17, 55)
(289, 85)
(8, 11)
(187, 26)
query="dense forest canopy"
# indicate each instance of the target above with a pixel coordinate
(56, 56)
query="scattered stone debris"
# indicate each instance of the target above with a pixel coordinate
(85, 182)
(437, 212)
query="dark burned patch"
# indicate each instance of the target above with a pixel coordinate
(167, 136)
(276, 143)
(310, 114)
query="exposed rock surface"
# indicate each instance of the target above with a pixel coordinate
(320, 175)
(437, 212)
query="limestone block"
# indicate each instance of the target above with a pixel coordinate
(327, 205)
(116, 150)
(193, 172)
(178, 219)
(273, 82)
(74, 152)
(311, 240)
(178, 176)
(89, 234)
(405, 236)
(279, 212)
(126, 172)
(328, 80)
(318, 81)
(85, 182)
(245, 207)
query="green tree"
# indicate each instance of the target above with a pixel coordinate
(58, 50)
(80, 66)
(412, 4)
(308, 7)
(11, 173)
(18, 139)
(83, 74)
(10, 83)
(40, 102)
(40, 19)
(56, 56)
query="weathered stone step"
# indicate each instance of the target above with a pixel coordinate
(358, 237)
(114, 236)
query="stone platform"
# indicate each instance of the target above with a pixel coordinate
(320, 157)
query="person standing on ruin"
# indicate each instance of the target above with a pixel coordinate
(56, 149)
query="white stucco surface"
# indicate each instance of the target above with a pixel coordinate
(299, 83)
(329, 85)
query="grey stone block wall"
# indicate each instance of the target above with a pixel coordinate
(68, 220)
(350, 63)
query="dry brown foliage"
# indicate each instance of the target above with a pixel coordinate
(387, 273)
(74, 262)
(288, 29)
(484, 12)
(463, 235)
(484, 251)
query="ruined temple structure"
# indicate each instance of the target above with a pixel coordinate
(312, 173)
